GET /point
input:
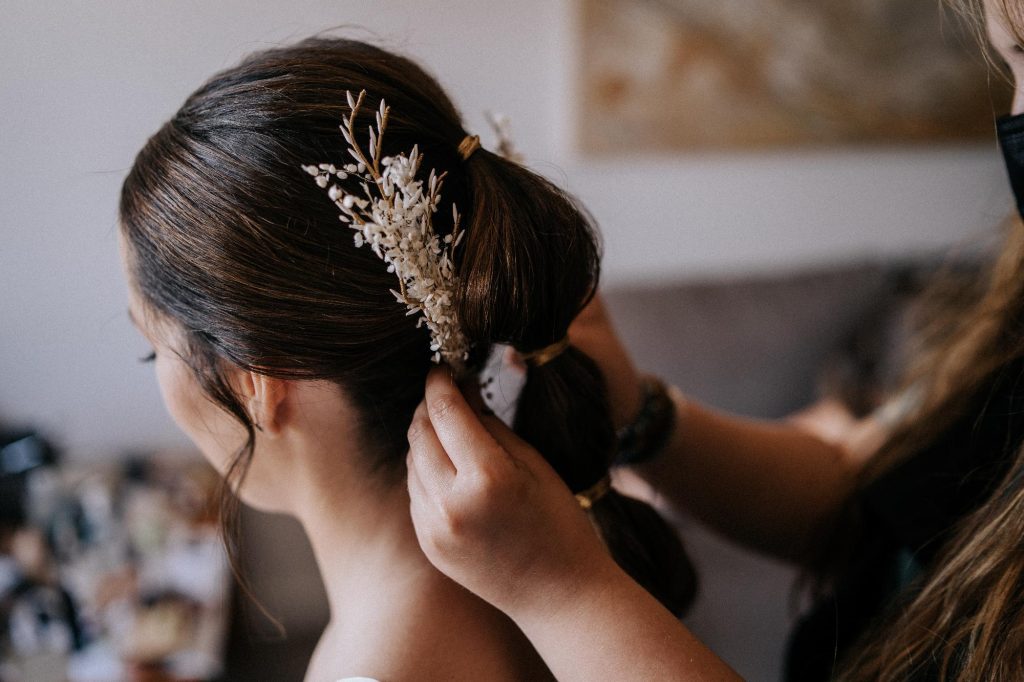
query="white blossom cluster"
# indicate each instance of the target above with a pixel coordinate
(394, 217)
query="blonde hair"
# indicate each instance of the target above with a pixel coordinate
(973, 12)
(965, 618)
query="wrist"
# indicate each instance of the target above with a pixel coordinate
(563, 598)
(653, 425)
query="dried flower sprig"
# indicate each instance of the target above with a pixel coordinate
(506, 147)
(394, 217)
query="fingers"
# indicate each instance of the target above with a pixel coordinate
(505, 437)
(521, 453)
(514, 360)
(429, 466)
(425, 507)
(594, 314)
(419, 497)
(466, 441)
(448, 439)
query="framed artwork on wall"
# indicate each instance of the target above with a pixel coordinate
(670, 75)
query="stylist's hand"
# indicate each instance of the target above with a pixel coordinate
(493, 515)
(489, 512)
(593, 332)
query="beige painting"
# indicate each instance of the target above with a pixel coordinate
(663, 75)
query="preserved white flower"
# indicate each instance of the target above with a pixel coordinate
(394, 218)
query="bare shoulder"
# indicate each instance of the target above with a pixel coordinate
(438, 638)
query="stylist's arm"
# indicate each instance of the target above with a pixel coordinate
(492, 515)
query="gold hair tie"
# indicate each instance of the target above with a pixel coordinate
(588, 497)
(546, 354)
(469, 144)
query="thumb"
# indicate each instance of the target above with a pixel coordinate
(458, 428)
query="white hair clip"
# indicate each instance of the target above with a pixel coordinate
(394, 218)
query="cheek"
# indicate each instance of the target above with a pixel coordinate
(1006, 46)
(217, 435)
(1018, 90)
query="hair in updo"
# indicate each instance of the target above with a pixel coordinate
(228, 237)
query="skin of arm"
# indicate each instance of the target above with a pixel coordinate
(772, 486)
(492, 515)
(625, 632)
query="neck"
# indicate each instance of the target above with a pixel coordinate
(386, 597)
(364, 543)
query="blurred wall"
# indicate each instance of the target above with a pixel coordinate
(82, 84)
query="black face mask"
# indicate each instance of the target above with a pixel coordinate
(1011, 139)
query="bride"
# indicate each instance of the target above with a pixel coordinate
(297, 281)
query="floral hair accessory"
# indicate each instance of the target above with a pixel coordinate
(393, 216)
(506, 147)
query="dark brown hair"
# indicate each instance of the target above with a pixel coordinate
(229, 238)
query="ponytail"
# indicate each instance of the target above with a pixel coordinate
(228, 238)
(530, 263)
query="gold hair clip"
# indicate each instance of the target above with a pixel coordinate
(588, 497)
(546, 354)
(469, 144)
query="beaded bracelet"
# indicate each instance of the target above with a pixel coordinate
(641, 440)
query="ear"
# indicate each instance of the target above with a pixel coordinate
(265, 399)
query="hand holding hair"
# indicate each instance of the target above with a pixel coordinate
(494, 516)
(480, 494)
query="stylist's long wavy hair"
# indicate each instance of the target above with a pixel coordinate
(966, 616)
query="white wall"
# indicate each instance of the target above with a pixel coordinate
(82, 84)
